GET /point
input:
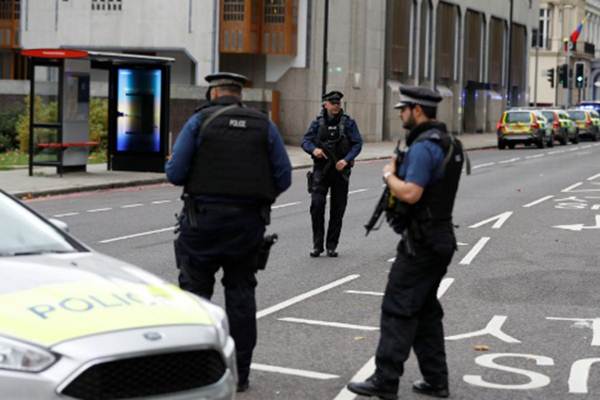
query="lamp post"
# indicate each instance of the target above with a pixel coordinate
(508, 75)
(325, 40)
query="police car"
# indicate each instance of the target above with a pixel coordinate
(75, 324)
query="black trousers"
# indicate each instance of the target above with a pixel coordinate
(323, 182)
(228, 239)
(412, 317)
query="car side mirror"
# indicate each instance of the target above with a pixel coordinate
(63, 226)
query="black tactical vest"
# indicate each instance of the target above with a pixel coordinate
(334, 137)
(233, 156)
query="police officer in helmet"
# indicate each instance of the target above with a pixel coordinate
(232, 165)
(426, 182)
(333, 141)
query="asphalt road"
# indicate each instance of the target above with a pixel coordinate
(521, 296)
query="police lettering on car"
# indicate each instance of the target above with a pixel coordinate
(232, 163)
(426, 183)
(333, 141)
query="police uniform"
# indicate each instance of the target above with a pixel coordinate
(232, 164)
(340, 138)
(411, 313)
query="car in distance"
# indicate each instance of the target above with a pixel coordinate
(75, 324)
(523, 126)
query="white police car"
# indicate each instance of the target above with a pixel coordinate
(75, 324)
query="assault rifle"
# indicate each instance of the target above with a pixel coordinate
(387, 200)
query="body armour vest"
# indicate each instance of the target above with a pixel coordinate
(334, 136)
(233, 156)
(437, 202)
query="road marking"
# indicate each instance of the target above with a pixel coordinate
(474, 251)
(135, 235)
(362, 374)
(583, 153)
(538, 201)
(332, 324)
(292, 371)
(484, 165)
(587, 146)
(509, 161)
(493, 328)
(568, 189)
(99, 210)
(304, 296)
(161, 201)
(132, 205)
(358, 191)
(391, 260)
(286, 205)
(462, 244)
(501, 219)
(536, 156)
(596, 207)
(579, 227)
(557, 152)
(368, 369)
(591, 178)
(444, 286)
(65, 215)
(363, 292)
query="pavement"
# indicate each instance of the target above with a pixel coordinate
(47, 182)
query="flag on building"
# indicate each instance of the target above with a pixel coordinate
(577, 32)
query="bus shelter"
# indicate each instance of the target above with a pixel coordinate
(59, 107)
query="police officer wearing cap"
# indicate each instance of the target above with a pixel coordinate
(333, 141)
(426, 182)
(232, 165)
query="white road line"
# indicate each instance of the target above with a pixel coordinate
(292, 371)
(368, 369)
(501, 219)
(572, 187)
(304, 296)
(391, 260)
(574, 149)
(99, 210)
(332, 324)
(591, 178)
(295, 203)
(596, 207)
(364, 292)
(444, 286)
(65, 215)
(358, 191)
(587, 146)
(583, 153)
(509, 161)
(474, 251)
(161, 201)
(557, 152)
(538, 201)
(484, 165)
(132, 205)
(462, 244)
(135, 235)
(536, 156)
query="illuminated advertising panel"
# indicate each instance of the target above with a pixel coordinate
(138, 110)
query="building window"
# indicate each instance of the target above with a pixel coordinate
(107, 5)
(275, 11)
(544, 28)
(233, 10)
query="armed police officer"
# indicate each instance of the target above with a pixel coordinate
(232, 164)
(333, 141)
(425, 185)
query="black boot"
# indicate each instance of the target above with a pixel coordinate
(373, 386)
(425, 388)
(332, 253)
(316, 252)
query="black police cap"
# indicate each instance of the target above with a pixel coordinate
(418, 95)
(226, 79)
(334, 95)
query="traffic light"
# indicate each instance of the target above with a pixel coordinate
(550, 76)
(562, 75)
(579, 74)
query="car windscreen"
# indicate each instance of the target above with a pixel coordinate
(577, 115)
(563, 115)
(517, 117)
(594, 114)
(24, 233)
(549, 115)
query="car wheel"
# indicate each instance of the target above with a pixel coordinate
(501, 144)
(575, 140)
(595, 137)
(550, 143)
(511, 145)
(540, 143)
